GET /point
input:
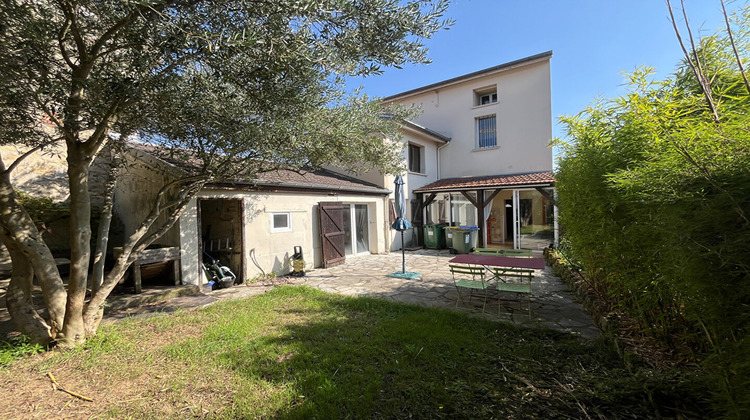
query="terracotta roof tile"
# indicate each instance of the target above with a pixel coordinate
(487, 182)
(304, 179)
(320, 177)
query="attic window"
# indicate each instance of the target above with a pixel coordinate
(485, 96)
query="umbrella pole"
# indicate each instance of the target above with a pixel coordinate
(403, 254)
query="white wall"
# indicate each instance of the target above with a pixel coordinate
(414, 180)
(274, 250)
(524, 122)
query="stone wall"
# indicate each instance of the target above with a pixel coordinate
(43, 174)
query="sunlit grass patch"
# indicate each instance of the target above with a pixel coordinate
(16, 348)
(296, 352)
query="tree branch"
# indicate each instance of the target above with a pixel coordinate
(105, 219)
(122, 23)
(97, 137)
(180, 203)
(75, 31)
(695, 66)
(61, 43)
(734, 47)
(129, 249)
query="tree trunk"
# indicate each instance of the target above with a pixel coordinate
(18, 296)
(23, 233)
(73, 332)
(105, 221)
(93, 312)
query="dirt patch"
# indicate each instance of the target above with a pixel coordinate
(146, 380)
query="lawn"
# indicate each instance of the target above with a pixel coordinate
(297, 352)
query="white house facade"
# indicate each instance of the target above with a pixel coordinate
(479, 153)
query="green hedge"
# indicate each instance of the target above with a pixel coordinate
(654, 199)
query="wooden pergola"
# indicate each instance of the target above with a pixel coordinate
(486, 189)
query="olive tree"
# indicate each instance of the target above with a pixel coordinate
(233, 86)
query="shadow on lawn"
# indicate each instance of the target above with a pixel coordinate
(336, 357)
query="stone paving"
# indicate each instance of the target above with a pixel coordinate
(552, 305)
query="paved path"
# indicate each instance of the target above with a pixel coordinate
(552, 305)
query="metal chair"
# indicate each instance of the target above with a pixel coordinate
(516, 252)
(514, 280)
(469, 277)
(487, 251)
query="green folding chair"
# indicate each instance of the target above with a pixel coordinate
(469, 277)
(514, 280)
(487, 251)
(516, 252)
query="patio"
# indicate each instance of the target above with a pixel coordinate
(553, 306)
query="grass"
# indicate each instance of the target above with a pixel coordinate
(296, 352)
(17, 348)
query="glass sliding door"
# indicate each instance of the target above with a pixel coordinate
(356, 229)
(534, 219)
(361, 228)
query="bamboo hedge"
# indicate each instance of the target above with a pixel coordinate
(654, 198)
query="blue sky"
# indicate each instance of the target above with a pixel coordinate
(594, 42)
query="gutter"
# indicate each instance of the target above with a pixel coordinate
(488, 187)
(300, 185)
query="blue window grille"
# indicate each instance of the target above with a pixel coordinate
(487, 132)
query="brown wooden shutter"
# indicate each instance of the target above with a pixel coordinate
(332, 233)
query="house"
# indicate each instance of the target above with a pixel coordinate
(479, 154)
(253, 225)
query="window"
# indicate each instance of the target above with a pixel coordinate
(415, 159)
(489, 98)
(281, 222)
(486, 132)
(485, 96)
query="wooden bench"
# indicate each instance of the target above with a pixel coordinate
(153, 256)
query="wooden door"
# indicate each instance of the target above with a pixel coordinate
(332, 233)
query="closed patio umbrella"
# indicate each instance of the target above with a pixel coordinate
(401, 224)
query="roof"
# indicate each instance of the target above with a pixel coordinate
(275, 180)
(318, 179)
(534, 179)
(496, 69)
(426, 131)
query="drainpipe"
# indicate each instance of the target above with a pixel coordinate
(438, 159)
(437, 151)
